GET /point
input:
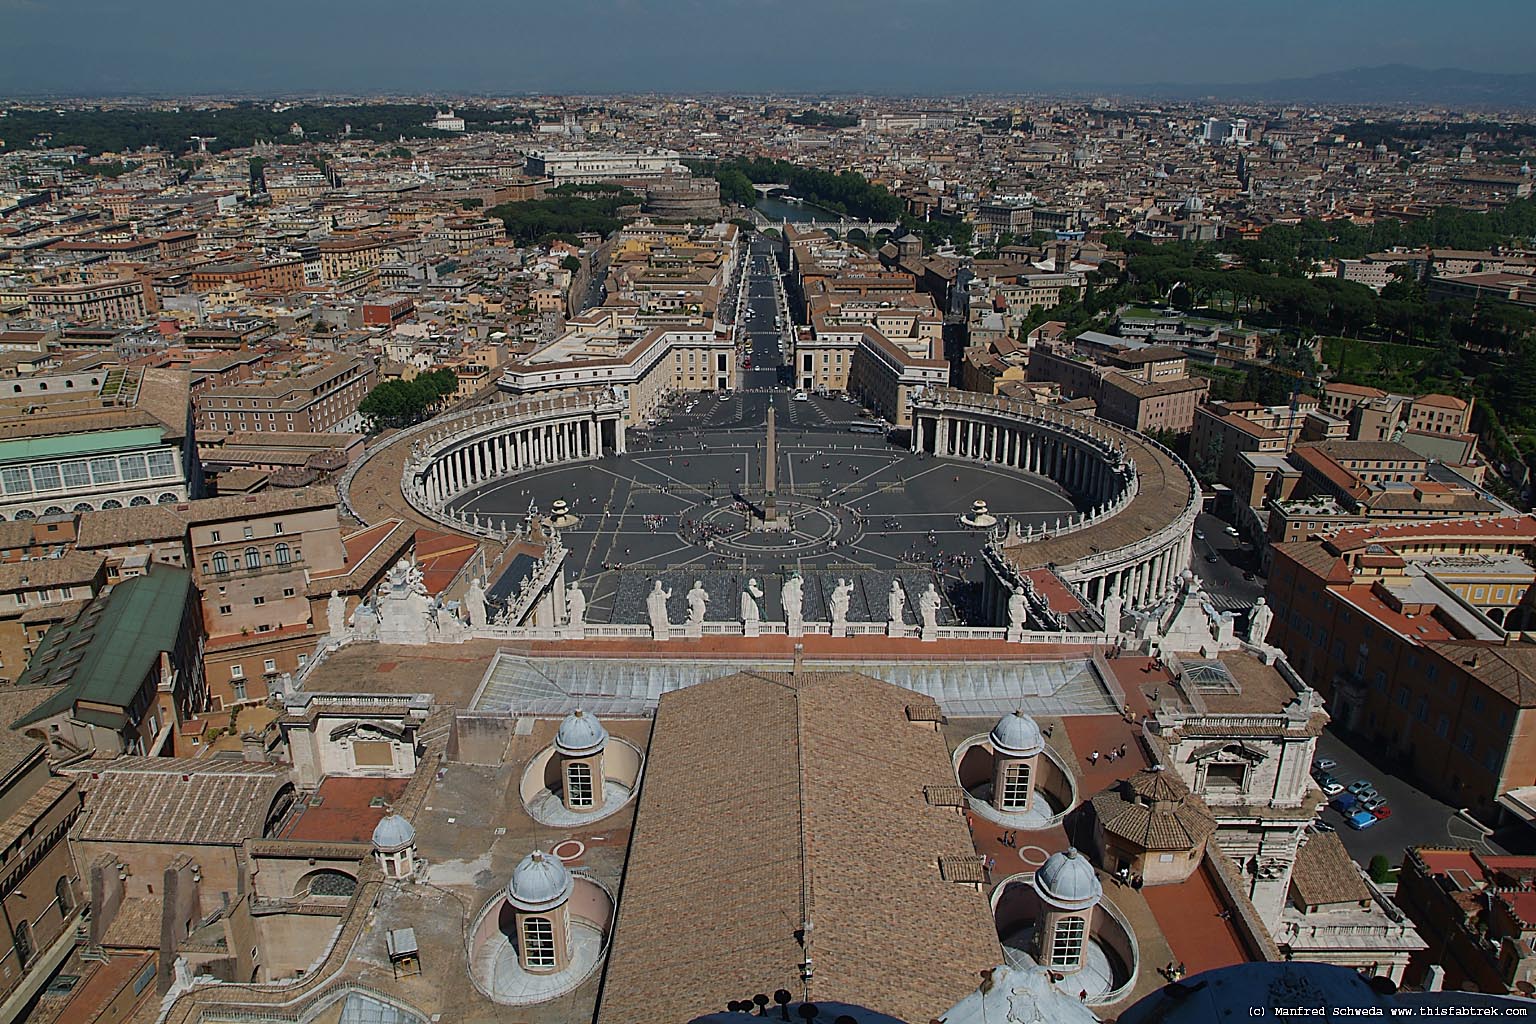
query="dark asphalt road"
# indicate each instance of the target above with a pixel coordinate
(764, 340)
(1223, 578)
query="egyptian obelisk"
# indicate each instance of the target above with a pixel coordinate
(770, 473)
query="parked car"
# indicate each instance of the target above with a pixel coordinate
(1362, 788)
(1212, 558)
(1378, 806)
(1344, 803)
(1329, 785)
(1199, 535)
(1321, 826)
(1360, 820)
(801, 396)
(1233, 531)
(1324, 764)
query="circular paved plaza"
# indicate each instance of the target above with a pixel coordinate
(686, 503)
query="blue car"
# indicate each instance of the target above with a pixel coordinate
(1360, 820)
(1344, 803)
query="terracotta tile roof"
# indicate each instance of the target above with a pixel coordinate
(1325, 874)
(1155, 811)
(1507, 670)
(73, 568)
(176, 800)
(130, 526)
(815, 812)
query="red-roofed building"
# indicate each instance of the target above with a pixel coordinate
(1478, 914)
(1403, 630)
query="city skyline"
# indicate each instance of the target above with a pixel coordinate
(171, 46)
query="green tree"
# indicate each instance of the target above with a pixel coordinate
(393, 404)
(1380, 869)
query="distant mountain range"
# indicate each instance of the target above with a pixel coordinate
(1387, 84)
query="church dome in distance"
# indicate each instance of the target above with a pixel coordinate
(392, 834)
(1017, 735)
(580, 734)
(1067, 880)
(539, 882)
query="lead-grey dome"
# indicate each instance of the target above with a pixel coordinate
(580, 734)
(393, 834)
(1066, 880)
(539, 882)
(1017, 735)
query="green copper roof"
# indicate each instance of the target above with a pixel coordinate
(79, 444)
(105, 654)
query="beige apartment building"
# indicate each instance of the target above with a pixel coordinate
(37, 594)
(252, 556)
(42, 895)
(115, 301)
(320, 398)
(343, 257)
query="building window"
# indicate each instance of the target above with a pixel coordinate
(252, 558)
(1067, 942)
(225, 609)
(270, 665)
(1225, 777)
(283, 554)
(258, 600)
(65, 897)
(237, 671)
(248, 533)
(238, 686)
(23, 935)
(220, 562)
(578, 784)
(538, 942)
(1015, 787)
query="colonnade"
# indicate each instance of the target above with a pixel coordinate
(1098, 464)
(1144, 581)
(512, 450)
(1090, 476)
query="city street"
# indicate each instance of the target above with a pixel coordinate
(1223, 579)
(763, 339)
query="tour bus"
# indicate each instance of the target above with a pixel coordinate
(866, 427)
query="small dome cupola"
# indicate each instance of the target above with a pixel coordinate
(1068, 881)
(580, 735)
(1017, 735)
(393, 834)
(539, 882)
(394, 847)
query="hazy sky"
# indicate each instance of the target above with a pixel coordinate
(911, 46)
